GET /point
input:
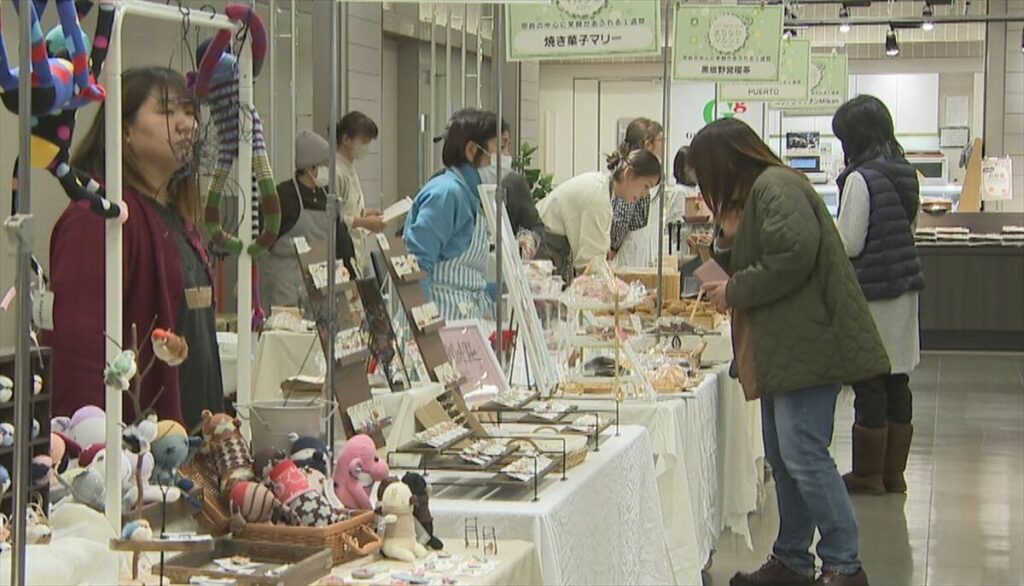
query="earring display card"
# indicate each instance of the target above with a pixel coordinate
(424, 314)
(350, 386)
(370, 418)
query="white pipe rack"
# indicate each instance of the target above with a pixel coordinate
(114, 242)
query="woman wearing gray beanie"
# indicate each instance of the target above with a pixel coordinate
(303, 213)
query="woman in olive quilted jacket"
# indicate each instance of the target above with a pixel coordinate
(801, 328)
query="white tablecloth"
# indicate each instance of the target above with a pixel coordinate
(280, 355)
(518, 564)
(708, 452)
(600, 526)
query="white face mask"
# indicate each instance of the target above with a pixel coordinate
(489, 174)
(323, 176)
(360, 151)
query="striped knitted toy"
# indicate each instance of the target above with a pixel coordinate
(216, 84)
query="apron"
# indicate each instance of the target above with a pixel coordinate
(459, 285)
(280, 275)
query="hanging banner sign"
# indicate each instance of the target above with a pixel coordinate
(727, 43)
(580, 29)
(829, 86)
(794, 74)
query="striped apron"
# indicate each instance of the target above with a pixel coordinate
(458, 285)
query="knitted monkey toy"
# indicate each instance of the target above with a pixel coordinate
(216, 84)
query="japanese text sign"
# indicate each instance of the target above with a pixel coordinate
(572, 29)
(794, 72)
(727, 43)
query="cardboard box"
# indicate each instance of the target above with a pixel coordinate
(649, 277)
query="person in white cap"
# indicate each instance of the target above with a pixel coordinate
(303, 213)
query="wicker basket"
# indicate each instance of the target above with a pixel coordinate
(573, 458)
(348, 540)
(214, 517)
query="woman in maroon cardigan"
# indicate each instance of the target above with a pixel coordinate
(167, 276)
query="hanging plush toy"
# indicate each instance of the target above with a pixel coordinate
(216, 84)
(63, 80)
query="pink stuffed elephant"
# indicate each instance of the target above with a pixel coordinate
(358, 468)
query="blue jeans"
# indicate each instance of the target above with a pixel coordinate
(811, 494)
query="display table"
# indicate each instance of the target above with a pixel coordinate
(279, 356)
(600, 526)
(708, 461)
(517, 563)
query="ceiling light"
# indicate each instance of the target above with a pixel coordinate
(892, 46)
(1022, 41)
(844, 27)
(928, 13)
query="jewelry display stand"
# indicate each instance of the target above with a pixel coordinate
(351, 354)
(409, 288)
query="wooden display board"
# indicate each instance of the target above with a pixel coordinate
(409, 288)
(351, 386)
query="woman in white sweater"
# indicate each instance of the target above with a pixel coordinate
(577, 215)
(878, 206)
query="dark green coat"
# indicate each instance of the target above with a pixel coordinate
(807, 320)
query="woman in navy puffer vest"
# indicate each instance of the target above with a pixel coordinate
(878, 205)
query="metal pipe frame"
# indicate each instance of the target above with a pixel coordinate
(900, 20)
(114, 303)
(666, 114)
(333, 212)
(432, 98)
(498, 54)
(448, 63)
(20, 227)
(480, 57)
(271, 125)
(465, 25)
(294, 114)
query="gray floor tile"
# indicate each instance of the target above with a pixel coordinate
(962, 521)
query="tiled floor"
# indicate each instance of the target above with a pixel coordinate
(962, 521)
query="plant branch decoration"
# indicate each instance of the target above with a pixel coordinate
(540, 183)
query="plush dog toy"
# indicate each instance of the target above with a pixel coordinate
(357, 469)
(229, 449)
(309, 452)
(400, 526)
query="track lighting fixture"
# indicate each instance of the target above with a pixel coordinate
(1022, 41)
(892, 46)
(928, 13)
(844, 13)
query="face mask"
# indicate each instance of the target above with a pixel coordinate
(323, 176)
(360, 151)
(489, 174)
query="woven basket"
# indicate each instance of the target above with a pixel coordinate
(348, 540)
(573, 458)
(214, 517)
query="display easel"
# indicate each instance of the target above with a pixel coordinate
(410, 293)
(349, 384)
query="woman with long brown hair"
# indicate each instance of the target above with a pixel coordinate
(801, 328)
(168, 281)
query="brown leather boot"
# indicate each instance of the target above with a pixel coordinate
(897, 449)
(772, 573)
(830, 578)
(868, 459)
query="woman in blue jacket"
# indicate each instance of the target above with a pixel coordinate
(446, 228)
